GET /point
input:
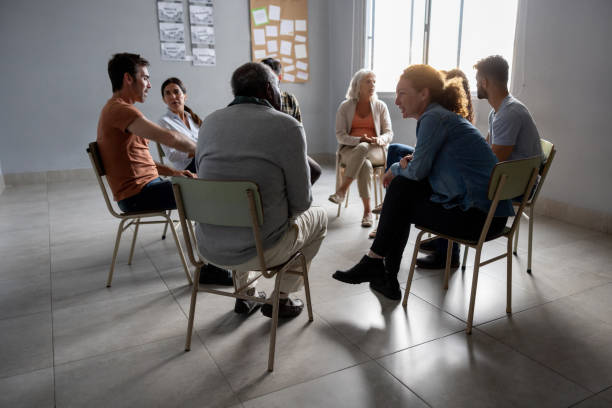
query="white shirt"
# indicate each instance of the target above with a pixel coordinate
(172, 121)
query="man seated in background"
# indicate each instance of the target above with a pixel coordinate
(291, 107)
(123, 141)
(512, 132)
(252, 140)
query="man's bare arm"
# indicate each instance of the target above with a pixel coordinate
(149, 130)
(169, 171)
(502, 152)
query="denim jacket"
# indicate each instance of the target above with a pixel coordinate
(456, 160)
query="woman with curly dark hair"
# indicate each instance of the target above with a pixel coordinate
(442, 186)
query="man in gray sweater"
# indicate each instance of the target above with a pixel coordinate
(252, 140)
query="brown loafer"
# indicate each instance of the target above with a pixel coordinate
(287, 308)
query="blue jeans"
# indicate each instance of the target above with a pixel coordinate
(395, 153)
(157, 195)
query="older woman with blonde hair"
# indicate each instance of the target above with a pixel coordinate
(443, 186)
(363, 131)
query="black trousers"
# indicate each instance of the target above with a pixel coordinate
(407, 202)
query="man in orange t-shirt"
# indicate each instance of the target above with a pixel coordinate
(123, 141)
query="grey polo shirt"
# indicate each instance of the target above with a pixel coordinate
(512, 125)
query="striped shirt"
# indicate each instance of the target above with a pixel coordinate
(290, 106)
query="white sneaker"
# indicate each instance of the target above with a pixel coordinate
(336, 198)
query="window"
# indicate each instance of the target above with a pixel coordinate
(445, 34)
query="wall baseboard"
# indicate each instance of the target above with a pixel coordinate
(43, 177)
(592, 219)
(584, 217)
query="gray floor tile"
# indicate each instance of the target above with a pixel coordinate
(82, 286)
(563, 338)
(477, 371)
(25, 344)
(490, 295)
(33, 389)
(25, 295)
(159, 374)
(366, 385)
(303, 351)
(97, 328)
(26, 264)
(596, 401)
(379, 326)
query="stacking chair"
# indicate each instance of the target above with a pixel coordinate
(509, 179)
(232, 204)
(130, 218)
(377, 176)
(548, 149)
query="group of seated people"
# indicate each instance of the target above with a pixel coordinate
(440, 183)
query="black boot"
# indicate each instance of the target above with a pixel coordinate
(388, 286)
(366, 270)
(437, 260)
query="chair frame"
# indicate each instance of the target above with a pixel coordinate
(254, 201)
(377, 175)
(161, 154)
(130, 218)
(547, 147)
(495, 192)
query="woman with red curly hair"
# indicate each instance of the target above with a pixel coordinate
(444, 184)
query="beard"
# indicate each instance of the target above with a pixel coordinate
(481, 93)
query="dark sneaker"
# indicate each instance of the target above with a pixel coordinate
(387, 286)
(213, 275)
(436, 261)
(432, 246)
(247, 307)
(287, 308)
(366, 270)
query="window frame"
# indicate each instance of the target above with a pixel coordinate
(368, 44)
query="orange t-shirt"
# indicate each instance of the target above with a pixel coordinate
(125, 156)
(363, 126)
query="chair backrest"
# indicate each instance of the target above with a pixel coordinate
(223, 203)
(518, 174)
(160, 152)
(98, 167)
(548, 150)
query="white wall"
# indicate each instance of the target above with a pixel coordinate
(53, 65)
(54, 79)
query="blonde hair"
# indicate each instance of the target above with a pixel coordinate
(353, 90)
(448, 93)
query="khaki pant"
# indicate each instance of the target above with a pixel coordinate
(305, 233)
(359, 161)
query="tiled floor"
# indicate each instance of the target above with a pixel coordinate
(66, 340)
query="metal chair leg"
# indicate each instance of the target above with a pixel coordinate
(274, 323)
(415, 253)
(306, 286)
(180, 250)
(516, 237)
(449, 251)
(530, 241)
(117, 241)
(134, 241)
(509, 277)
(166, 225)
(470, 319)
(192, 306)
